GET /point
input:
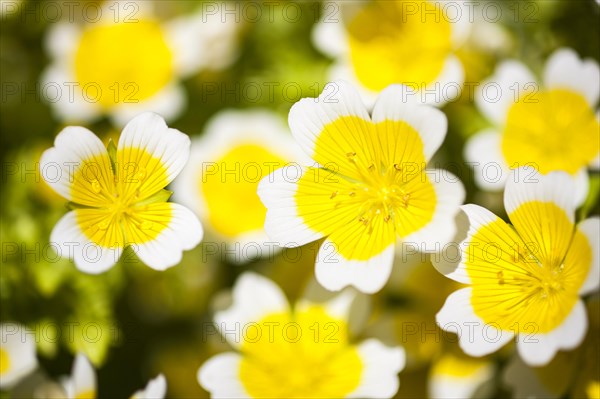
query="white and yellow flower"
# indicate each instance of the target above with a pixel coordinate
(369, 186)
(156, 389)
(376, 44)
(526, 279)
(458, 376)
(118, 195)
(17, 354)
(548, 124)
(129, 61)
(237, 149)
(303, 352)
(81, 384)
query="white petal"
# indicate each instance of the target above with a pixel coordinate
(155, 389)
(342, 70)
(282, 223)
(448, 261)
(497, 93)
(475, 337)
(381, 365)
(447, 86)
(169, 102)
(334, 272)
(430, 123)
(68, 240)
(65, 96)
(565, 70)
(18, 343)
(61, 40)
(448, 386)
(329, 34)
(183, 233)
(150, 132)
(539, 349)
(450, 194)
(525, 184)
(83, 376)
(308, 116)
(254, 297)
(219, 375)
(72, 146)
(591, 228)
(184, 36)
(483, 152)
(458, 12)
(582, 186)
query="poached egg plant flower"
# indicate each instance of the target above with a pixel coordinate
(525, 280)
(368, 187)
(304, 352)
(406, 42)
(549, 125)
(118, 196)
(17, 354)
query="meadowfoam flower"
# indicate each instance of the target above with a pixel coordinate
(81, 384)
(303, 352)
(549, 124)
(129, 61)
(219, 183)
(368, 188)
(526, 279)
(458, 376)
(406, 42)
(17, 354)
(156, 389)
(118, 197)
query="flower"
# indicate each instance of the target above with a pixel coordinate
(405, 42)
(368, 187)
(118, 196)
(551, 126)
(128, 61)
(82, 383)
(299, 353)
(525, 279)
(219, 182)
(156, 389)
(458, 376)
(17, 354)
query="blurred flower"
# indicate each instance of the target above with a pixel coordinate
(369, 186)
(156, 389)
(17, 354)
(220, 181)
(81, 384)
(129, 61)
(118, 195)
(458, 376)
(550, 126)
(299, 353)
(525, 279)
(380, 43)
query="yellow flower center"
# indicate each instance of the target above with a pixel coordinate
(123, 62)
(305, 355)
(114, 215)
(399, 42)
(229, 189)
(371, 188)
(86, 395)
(458, 366)
(4, 361)
(528, 280)
(553, 129)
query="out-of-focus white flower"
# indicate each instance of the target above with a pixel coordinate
(129, 61)
(156, 389)
(17, 354)
(81, 384)
(458, 376)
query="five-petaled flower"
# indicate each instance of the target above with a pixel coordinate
(118, 197)
(368, 188)
(526, 279)
(301, 353)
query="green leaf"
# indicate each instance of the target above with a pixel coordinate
(592, 197)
